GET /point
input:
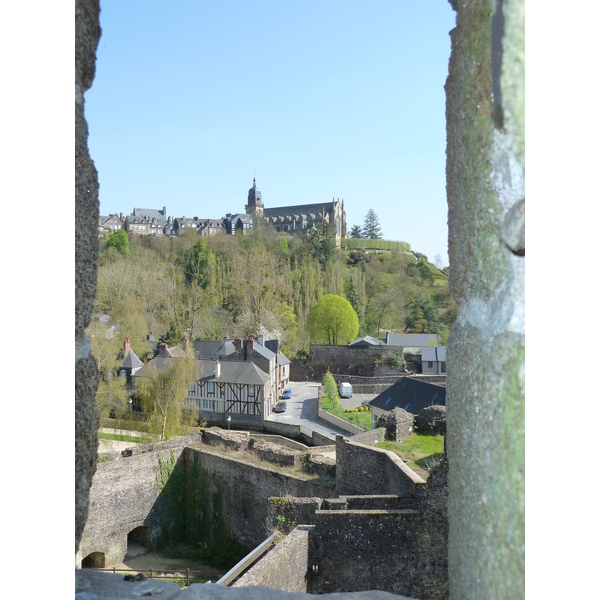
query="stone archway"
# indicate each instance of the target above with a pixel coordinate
(138, 541)
(94, 560)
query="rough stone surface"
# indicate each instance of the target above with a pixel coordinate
(87, 34)
(97, 586)
(485, 386)
(431, 420)
(398, 424)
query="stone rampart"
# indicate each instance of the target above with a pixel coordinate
(362, 469)
(239, 491)
(125, 494)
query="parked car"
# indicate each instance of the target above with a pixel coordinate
(287, 393)
(345, 390)
(280, 407)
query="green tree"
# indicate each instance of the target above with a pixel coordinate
(120, 241)
(421, 317)
(356, 232)
(332, 320)
(163, 392)
(172, 336)
(329, 387)
(371, 229)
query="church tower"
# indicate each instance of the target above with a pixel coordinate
(255, 204)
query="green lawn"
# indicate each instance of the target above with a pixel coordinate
(125, 438)
(418, 450)
(362, 420)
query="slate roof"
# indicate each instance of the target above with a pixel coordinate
(131, 361)
(264, 352)
(231, 372)
(301, 209)
(366, 341)
(211, 350)
(413, 395)
(412, 339)
(437, 354)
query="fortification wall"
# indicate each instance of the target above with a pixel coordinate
(204, 496)
(364, 550)
(239, 491)
(364, 469)
(124, 495)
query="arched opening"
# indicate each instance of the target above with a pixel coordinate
(94, 560)
(137, 541)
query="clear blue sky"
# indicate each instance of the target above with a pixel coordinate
(322, 99)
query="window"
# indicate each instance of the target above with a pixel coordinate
(222, 391)
(430, 364)
(443, 367)
(250, 408)
(192, 389)
(210, 387)
(208, 404)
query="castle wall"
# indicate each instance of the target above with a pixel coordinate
(124, 495)
(364, 469)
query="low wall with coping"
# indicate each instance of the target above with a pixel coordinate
(362, 469)
(284, 567)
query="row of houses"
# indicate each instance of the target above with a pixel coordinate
(231, 376)
(433, 356)
(149, 221)
(285, 219)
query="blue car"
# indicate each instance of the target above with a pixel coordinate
(287, 393)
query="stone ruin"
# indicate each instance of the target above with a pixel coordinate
(431, 420)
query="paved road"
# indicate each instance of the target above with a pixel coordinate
(302, 408)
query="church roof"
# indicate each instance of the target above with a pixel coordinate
(301, 209)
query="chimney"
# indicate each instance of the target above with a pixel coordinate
(260, 339)
(237, 342)
(250, 343)
(121, 216)
(217, 370)
(164, 211)
(126, 347)
(162, 349)
(225, 337)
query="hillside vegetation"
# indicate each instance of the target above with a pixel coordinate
(263, 282)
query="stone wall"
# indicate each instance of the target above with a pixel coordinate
(206, 495)
(125, 494)
(485, 183)
(243, 490)
(364, 469)
(283, 568)
(343, 360)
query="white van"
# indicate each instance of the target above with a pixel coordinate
(345, 390)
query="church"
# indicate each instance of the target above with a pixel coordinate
(299, 218)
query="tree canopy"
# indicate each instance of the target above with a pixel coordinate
(163, 394)
(119, 240)
(332, 320)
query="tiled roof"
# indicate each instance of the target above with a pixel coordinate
(231, 372)
(131, 361)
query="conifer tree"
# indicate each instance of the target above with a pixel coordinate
(371, 229)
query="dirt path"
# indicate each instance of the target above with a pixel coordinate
(139, 559)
